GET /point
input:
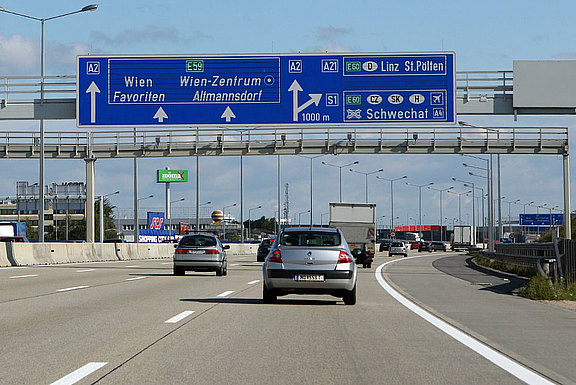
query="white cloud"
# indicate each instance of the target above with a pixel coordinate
(18, 55)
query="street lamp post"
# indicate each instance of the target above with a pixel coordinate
(482, 209)
(224, 220)
(491, 244)
(91, 7)
(392, 196)
(459, 203)
(102, 213)
(300, 218)
(420, 198)
(311, 187)
(340, 172)
(366, 178)
(250, 219)
(137, 229)
(441, 216)
(170, 212)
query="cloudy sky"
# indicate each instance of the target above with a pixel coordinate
(486, 35)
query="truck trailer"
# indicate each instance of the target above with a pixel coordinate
(357, 221)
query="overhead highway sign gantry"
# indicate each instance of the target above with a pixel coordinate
(261, 90)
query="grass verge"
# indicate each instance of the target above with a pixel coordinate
(538, 287)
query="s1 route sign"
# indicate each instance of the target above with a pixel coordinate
(260, 90)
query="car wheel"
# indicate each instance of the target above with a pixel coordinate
(405, 255)
(268, 296)
(225, 269)
(220, 271)
(350, 297)
(179, 271)
(369, 265)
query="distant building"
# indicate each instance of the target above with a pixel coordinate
(62, 203)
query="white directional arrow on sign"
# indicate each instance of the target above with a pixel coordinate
(160, 115)
(228, 114)
(295, 88)
(93, 90)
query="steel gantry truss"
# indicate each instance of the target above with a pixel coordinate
(287, 141)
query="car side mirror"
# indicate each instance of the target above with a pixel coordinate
(175, 245)
(226, 247)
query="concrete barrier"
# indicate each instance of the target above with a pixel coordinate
(4, 261)
(242, 249)
(21, 254)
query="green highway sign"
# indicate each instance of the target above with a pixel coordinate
(167, 176)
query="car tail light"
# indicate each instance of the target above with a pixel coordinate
(275, 257)
(181, 251)
(211, 251)
(344, 257)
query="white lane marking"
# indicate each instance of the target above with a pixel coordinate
(79, 374)
(253, 282)
(135, 278)
(166, 263)
(485, 351)
(85, 270)
(225, 294)
(235, 264)
(24, 276)
(179, 317)
(13, 267)
(132, 266)
(73, 288)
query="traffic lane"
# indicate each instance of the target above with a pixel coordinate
(536, 334)
(34, 281)
(308, 339)
(45, 338)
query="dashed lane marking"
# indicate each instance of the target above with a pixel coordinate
(135, 278)
(179, 317)
(226, 293)
(24, 276)
(72, 288)
(79, 374)
(253, 282)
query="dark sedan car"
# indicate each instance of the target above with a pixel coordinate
(424, 246)
(200, 252)
(264, 249)
(438, 246)
(385, 245)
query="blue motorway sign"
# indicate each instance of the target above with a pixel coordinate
(259, 90)
(541, 219)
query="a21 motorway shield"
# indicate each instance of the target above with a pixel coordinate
(262, 90)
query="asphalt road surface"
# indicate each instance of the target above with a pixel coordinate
(136, 323)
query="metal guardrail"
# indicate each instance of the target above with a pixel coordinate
(540, 257)
(17, 89)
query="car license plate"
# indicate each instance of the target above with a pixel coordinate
(195, 251)
(309, 277)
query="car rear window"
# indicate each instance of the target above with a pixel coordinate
(397, 244)
(198, 240)
(310, 238)
(267, 242)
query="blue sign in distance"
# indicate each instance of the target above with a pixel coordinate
(261, 90)
(541, 219)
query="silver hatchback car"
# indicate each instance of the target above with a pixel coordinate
(200, 252)
(310, 261)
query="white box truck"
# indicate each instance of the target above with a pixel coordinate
(357, 221)
(461, 238)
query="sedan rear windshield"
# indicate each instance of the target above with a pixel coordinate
(397, 244)
(310, 238)
(198, 240)
(267, 242)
